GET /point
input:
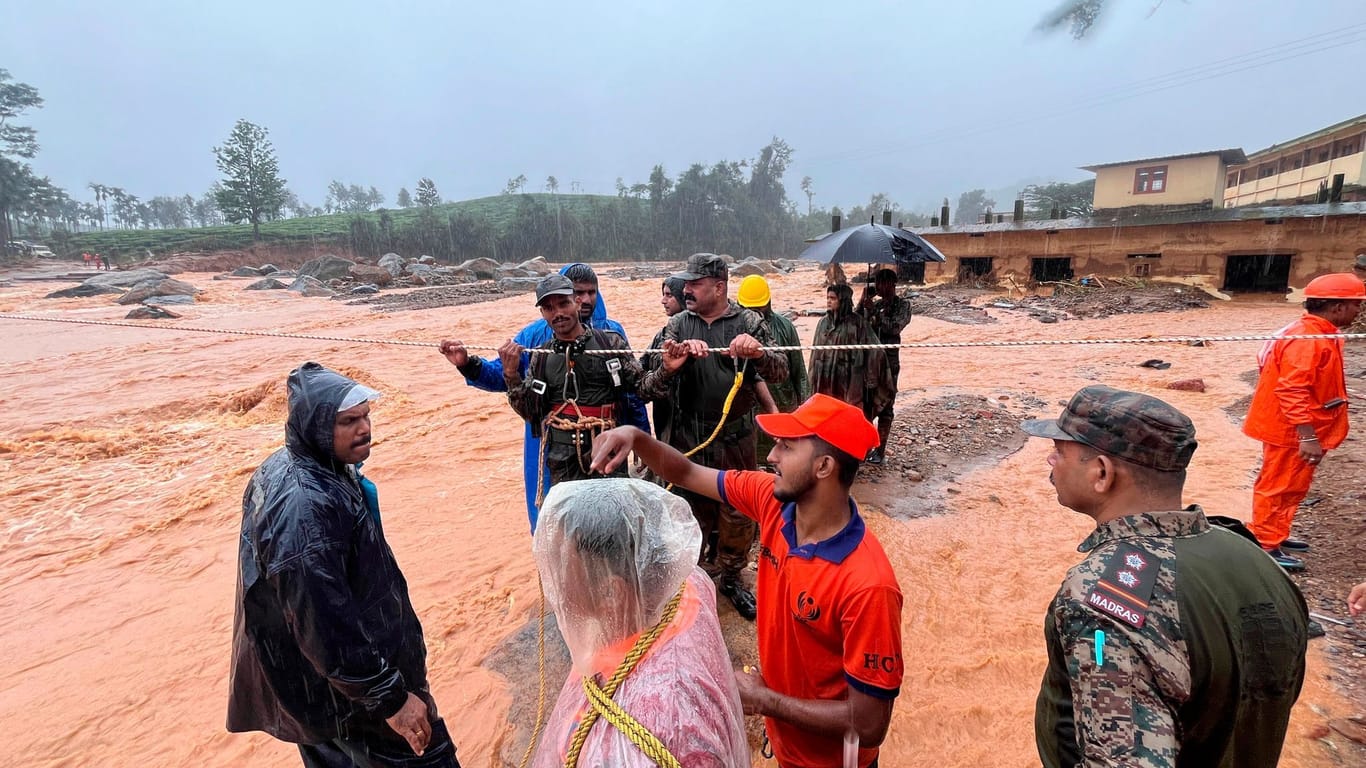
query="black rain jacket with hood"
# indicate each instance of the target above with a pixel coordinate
(325, 641)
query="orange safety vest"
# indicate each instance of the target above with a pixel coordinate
(1298, 376)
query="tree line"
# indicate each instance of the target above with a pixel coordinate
(740, 207)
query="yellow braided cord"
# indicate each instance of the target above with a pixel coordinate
(540, 687)
(725, 413)
(633, 657)
(622, 721)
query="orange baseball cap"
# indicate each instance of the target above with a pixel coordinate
(1339, 285)
(834, 421)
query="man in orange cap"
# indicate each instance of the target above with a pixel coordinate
(1299, 410)
(829, 606)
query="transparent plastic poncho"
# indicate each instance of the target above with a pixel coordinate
(612, 553)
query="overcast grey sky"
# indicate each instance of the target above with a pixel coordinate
(919, 100)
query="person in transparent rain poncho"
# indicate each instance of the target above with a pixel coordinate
(612, 555)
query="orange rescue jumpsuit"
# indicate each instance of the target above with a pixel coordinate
(1298, 377)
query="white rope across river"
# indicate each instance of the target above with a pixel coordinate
(802, 347)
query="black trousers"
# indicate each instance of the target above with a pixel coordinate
(352, 753)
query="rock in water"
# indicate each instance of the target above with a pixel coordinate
(162, 300)
(518, 284)
(151, 313)
(164, 287)
(83, 290)
(327, 267)
(269, 284)
(364, 290)
(393, 263)
(247, 272)
(379, 276)
(310, 286)
(482, 268)
(126, 279)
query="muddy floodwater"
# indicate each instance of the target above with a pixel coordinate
(124, 453)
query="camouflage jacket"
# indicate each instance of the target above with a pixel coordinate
(1150, 673)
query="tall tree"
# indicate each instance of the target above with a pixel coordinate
(971, 205)
(515, 184)
(552, 185)
(252, 188)
(810, 193)
(1070, 199)
(427, 195)
(16, 141)
(404, 199)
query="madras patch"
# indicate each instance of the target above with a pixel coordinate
(1126, 586)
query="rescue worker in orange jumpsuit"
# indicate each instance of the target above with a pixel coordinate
(1299, 410)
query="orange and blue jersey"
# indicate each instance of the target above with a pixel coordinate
(829, 615)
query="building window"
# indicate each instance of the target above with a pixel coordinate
(1149, 180)
(1145, 255)
(1232, 181)
(1266, 171)
(1143, 270)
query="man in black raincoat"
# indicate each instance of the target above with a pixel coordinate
(326, 650)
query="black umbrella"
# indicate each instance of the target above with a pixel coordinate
(872, 244)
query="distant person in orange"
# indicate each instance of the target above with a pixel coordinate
(86, 256)
(1299, 410)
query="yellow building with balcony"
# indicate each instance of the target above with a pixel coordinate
(1294, 171)
(1177, 181)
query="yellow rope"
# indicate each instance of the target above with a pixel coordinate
(725, 412)
(603, 706)
(540, 688)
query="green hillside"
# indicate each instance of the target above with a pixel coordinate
(497, 213)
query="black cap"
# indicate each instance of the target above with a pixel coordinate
(702, 265)
(553, 285)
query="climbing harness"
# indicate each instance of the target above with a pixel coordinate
(572, 418)
(602, 706)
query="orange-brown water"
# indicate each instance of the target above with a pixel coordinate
(124, 452)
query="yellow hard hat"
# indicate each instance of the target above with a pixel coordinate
(753, 292)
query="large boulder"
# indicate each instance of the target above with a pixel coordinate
(266, 269)
(126, 279)
(156, 301)
(327, 267)
(419, 269)
(425, 259)
(393, 263)
(269, 284)
(306, 285)
(247, 272)
(483, 268)
(456, 275)
(747, 268)
(164, 287)
(365, 273)
(151, 313)
(365, 290)
(83, 290)
(518, 284)
(506, 271)
(536, 266)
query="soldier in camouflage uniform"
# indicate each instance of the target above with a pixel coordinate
(1174, 643)
(1359, 269)
(698, 382)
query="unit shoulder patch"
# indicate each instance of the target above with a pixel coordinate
(1126, 586)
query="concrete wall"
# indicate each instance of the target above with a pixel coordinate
(1190, 250)
(1189, 180)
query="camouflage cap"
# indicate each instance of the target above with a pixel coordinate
(702, 265)
(1360, 264)
(1126, 425)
